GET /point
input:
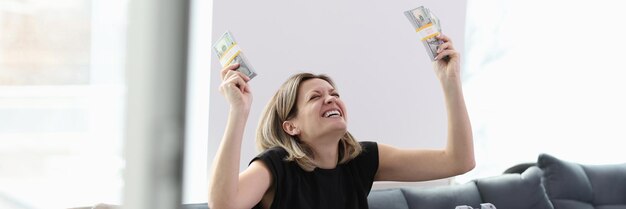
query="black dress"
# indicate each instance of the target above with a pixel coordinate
(344, 187)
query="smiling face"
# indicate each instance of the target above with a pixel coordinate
(321, 113)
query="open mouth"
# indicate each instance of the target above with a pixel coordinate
(332, 113)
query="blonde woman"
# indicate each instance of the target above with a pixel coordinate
(310, 160)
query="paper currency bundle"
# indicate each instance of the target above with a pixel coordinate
(228, 52)
(427, 26)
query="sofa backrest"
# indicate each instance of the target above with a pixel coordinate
(387, 199)
(575, 186)
(508, 191)
(443, 196)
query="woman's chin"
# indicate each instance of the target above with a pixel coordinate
(339, 129)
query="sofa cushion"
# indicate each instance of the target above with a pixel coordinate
(515, 191)
(576, 186)
(387, 199)
(442, 196)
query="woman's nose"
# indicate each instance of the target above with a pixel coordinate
(330, 99)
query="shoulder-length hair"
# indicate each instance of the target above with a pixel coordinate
(282, 107)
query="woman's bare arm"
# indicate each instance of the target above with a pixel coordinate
(458, 156)
(229, 189)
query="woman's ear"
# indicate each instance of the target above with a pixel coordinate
(290, 128)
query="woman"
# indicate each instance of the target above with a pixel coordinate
(310, 160)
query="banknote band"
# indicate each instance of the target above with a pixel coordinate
(427, 31)
(230, 54)
(430, 36)
(424, 27)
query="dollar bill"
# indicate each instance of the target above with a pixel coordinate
(427, 26)
(228, 52)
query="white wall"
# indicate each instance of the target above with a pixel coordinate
(368, 47)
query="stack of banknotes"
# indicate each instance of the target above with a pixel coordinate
(427, 26)
(228, 52)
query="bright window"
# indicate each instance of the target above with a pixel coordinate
(545, 77)
(61, 102)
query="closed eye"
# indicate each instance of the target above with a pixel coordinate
(314, 97)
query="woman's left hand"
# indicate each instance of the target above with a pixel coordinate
(447, 62)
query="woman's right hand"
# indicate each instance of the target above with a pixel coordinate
(235, 88)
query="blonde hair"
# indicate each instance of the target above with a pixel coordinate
(282, 107)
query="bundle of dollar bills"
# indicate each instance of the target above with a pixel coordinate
(229, 52)
(427, 26)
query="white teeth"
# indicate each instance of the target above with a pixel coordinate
(332, 113)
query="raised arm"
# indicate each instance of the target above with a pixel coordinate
(458, 156)
(229, 189)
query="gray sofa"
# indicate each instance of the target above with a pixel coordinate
(550, 183)
(508, 191)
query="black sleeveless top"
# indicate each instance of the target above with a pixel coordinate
(344, 187)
